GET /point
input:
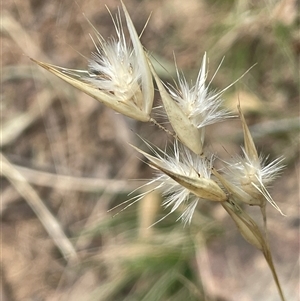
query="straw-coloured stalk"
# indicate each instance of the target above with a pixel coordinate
(252, 234)
(118, 75)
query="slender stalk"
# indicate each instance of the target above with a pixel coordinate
(269, 259)
(163, 128)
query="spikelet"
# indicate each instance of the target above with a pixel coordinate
(249, 175)
(118, 75)
(184, 178)
(190, 109)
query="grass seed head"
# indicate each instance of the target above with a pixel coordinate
(118, 75)
(198, 102)
(191, 107)
(184, 178)
(251, 174)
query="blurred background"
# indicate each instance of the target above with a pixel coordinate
(66, 159)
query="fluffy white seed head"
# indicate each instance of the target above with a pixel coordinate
(198, 102)
(252, 173)
(119, 75)
(184, 178)
(191, 108)
(254, 176)
(114, 70)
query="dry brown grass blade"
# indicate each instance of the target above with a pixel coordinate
(51, 225)
(8, 196)
(14, 127)
(75, 183)
(19, 35)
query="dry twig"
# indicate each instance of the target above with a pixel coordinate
(50, 223)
